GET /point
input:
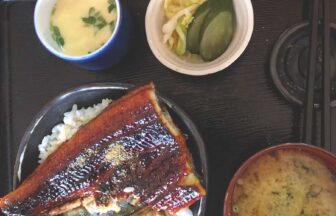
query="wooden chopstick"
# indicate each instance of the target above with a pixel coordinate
(311, 74)
(326, 121)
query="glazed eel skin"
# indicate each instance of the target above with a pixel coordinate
(132, 143)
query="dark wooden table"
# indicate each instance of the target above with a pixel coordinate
(238, 111)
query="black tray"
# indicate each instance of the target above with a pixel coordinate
(238, 111)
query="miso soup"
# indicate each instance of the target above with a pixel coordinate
(286, 183)
(80, 27)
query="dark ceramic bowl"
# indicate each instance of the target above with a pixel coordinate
(326, 157)
(87, 95)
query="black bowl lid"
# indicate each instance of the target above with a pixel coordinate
(289, 64)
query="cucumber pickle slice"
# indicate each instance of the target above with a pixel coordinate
(217, 35)
(194, 31)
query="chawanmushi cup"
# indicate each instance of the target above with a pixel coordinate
(104, 57)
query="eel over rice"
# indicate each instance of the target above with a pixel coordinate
(134, 144)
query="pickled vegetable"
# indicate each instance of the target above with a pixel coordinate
(172, 7)
(194, 31)
(205, 29)
(217, 36)
(182, 41)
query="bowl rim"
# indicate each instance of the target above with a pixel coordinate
(204, 167)
(227, 210)
(68, 57)
(207, 71)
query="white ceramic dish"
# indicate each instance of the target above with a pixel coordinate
(244, 23)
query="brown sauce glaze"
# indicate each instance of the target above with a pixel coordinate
(139, 152)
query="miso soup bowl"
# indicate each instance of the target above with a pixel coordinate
(104, 57)
(327, 158)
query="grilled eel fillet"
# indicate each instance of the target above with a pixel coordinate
(133, 142)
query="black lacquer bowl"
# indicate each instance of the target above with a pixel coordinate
(87, 95)
(289, 64)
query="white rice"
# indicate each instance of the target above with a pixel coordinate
(72, 121)
(184, 212)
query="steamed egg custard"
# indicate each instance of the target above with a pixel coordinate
(286, 183)
(80, 27)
